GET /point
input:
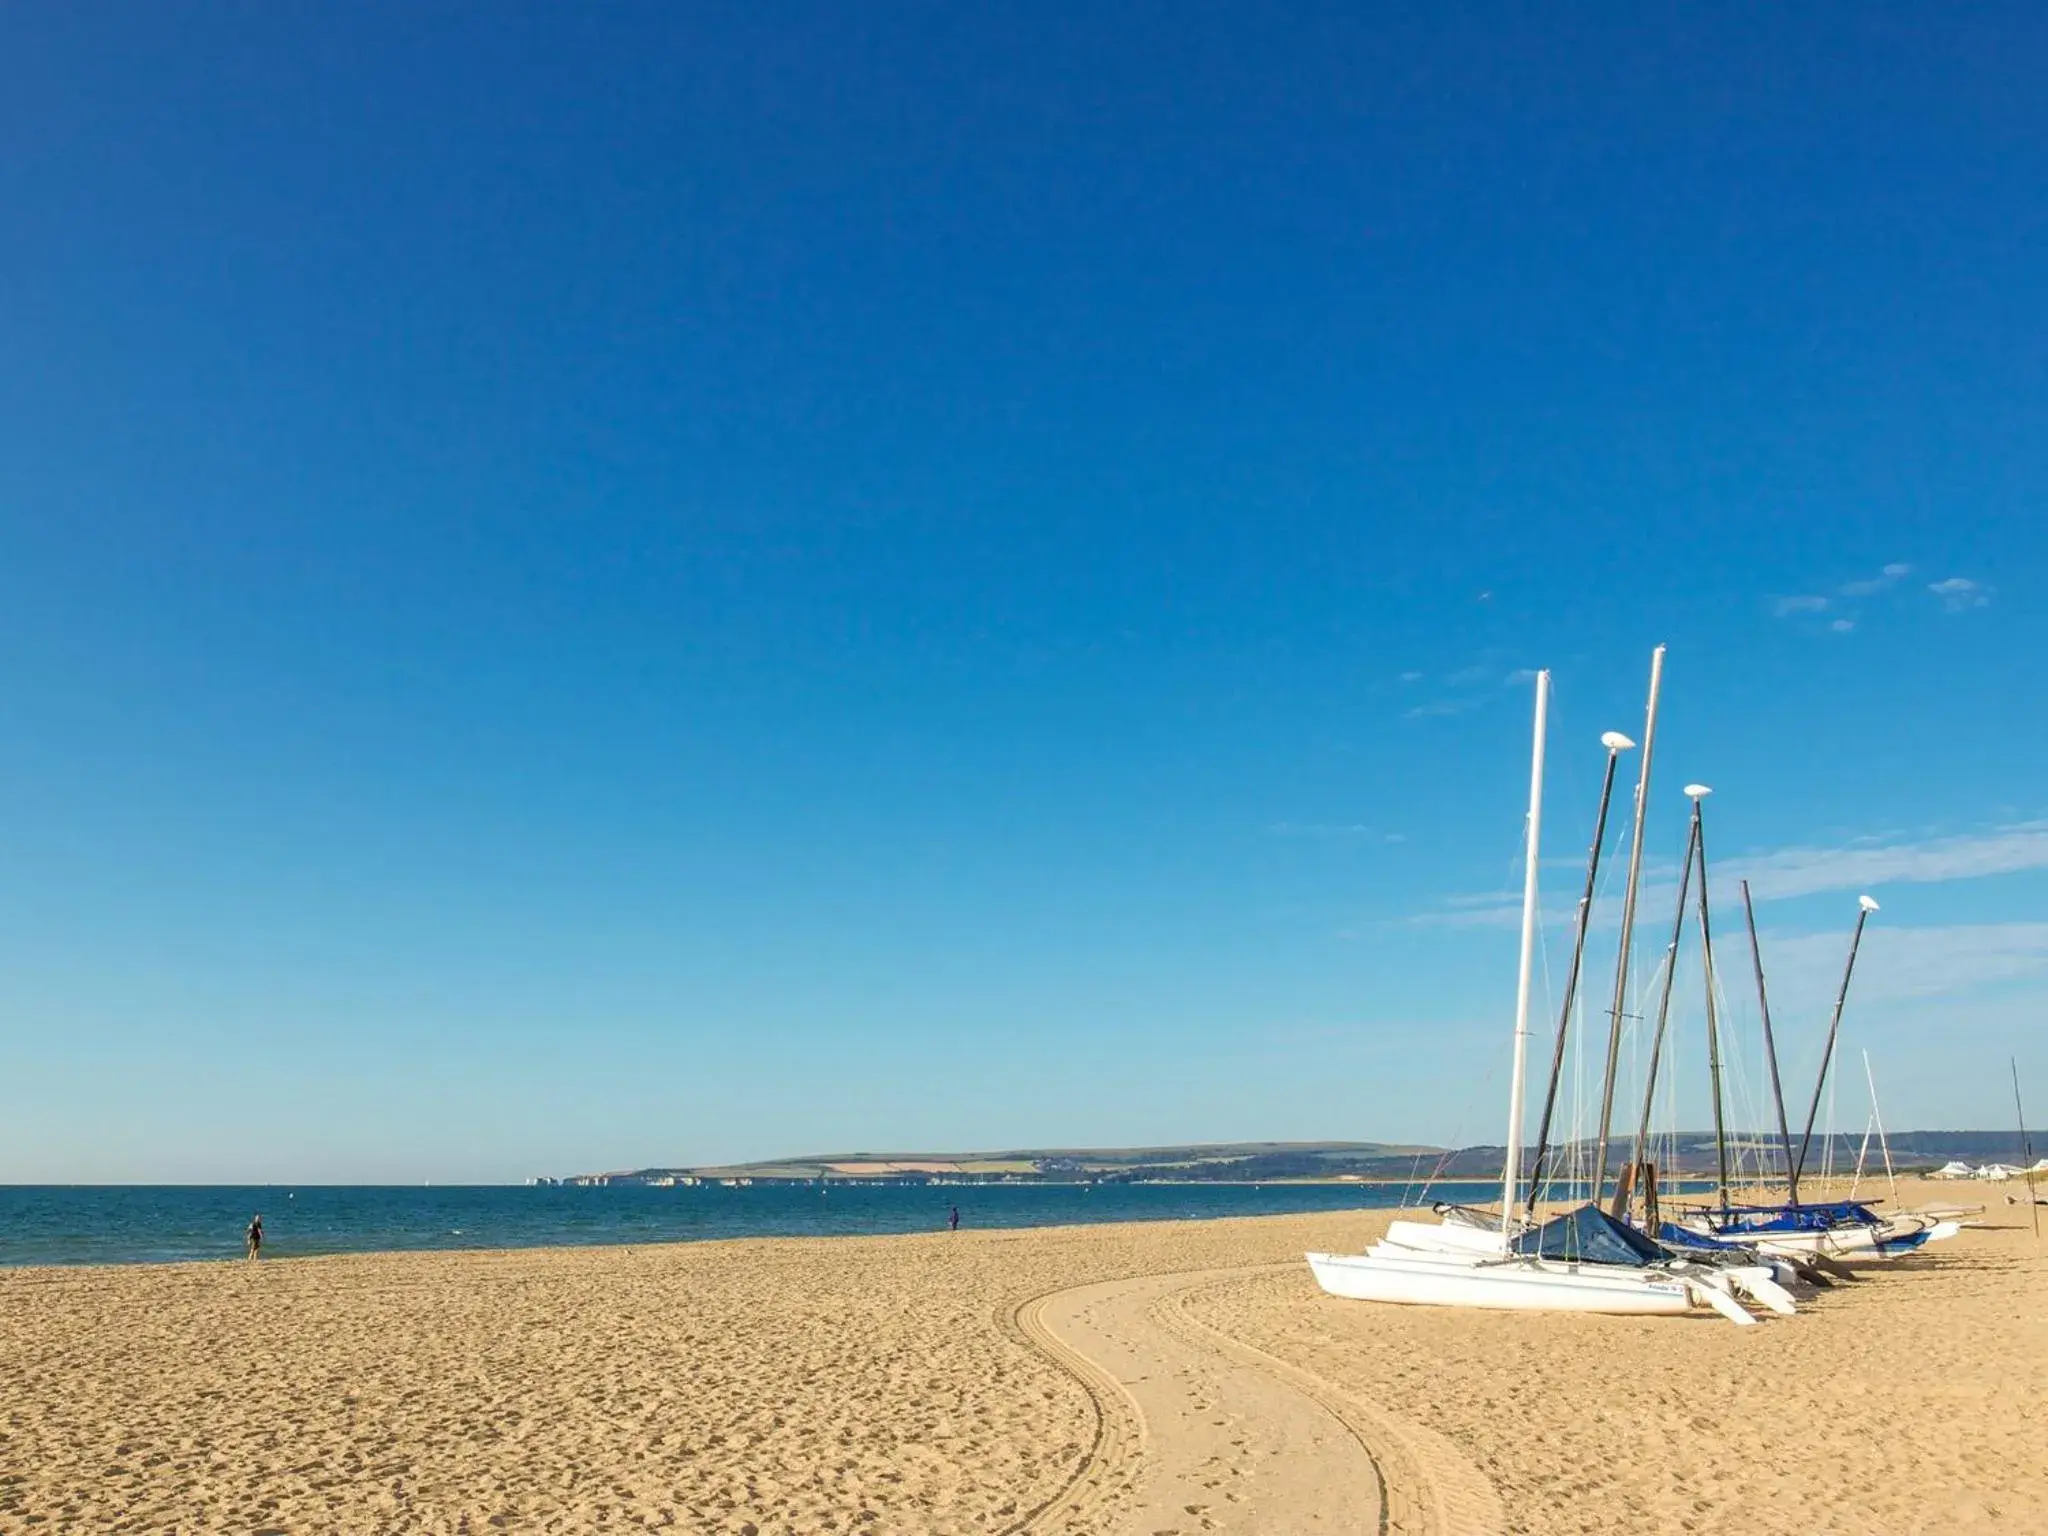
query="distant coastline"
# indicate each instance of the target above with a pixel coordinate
(1688, 1154)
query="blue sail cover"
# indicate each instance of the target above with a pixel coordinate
(1794, 1218)
(1671, 1235)
(1589, 1235)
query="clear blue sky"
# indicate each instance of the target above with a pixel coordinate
(592, 586)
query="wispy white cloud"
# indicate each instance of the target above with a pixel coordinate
(1479, 898)
(1843, 600)
(1806, 602)
(1959, 594)
(1784, 874)
(1334, 829)
(1903, 964)
(1493, 912)
(1468, 688)
(1810, 870)
(1883, 581)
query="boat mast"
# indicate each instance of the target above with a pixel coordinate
(1628, 925)
(1616, 744)
(2026, 1147)
(1698, 793)
(1511, 1173)
(1891, 1179)
(1692, 842)
(1864, 907)
(1763, 1005)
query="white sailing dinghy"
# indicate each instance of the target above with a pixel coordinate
(1581, 1262)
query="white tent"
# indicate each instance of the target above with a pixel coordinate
(1997, 1171)
(1956, 1171)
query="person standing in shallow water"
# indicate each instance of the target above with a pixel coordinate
(953, 1220)
(255, 1235)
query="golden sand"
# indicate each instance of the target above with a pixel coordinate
(1906, 1401)
(885, 1385)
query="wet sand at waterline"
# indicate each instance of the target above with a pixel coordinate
(966, 1384)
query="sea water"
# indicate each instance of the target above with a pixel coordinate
(141, 1224)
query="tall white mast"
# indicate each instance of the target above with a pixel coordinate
(1511, 1175)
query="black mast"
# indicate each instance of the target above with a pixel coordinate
(1692, 838)
(1763, 1005)
(1698, 793)
(1628, 928)
(1864, 907)
(1616, 744)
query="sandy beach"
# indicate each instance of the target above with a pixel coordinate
(1073, 1379)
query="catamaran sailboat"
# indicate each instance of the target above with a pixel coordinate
(1583, 1261)
(1837, 1229)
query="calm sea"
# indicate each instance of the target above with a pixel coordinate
(130, 1224)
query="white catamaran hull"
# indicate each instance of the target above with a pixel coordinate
(1534, 1285)
(1405, 1242)
(1447, 1237)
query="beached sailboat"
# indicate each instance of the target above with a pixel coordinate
(1519, 1281)
(1841, 1229)
(1584, 1261)
(1760, 1275)
(1587, 1236)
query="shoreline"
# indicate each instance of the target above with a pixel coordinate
(1055, 1230)
(138, 1227)
(283, 1245)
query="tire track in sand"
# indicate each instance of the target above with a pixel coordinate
(1197, 1431)
(1105, 1474)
